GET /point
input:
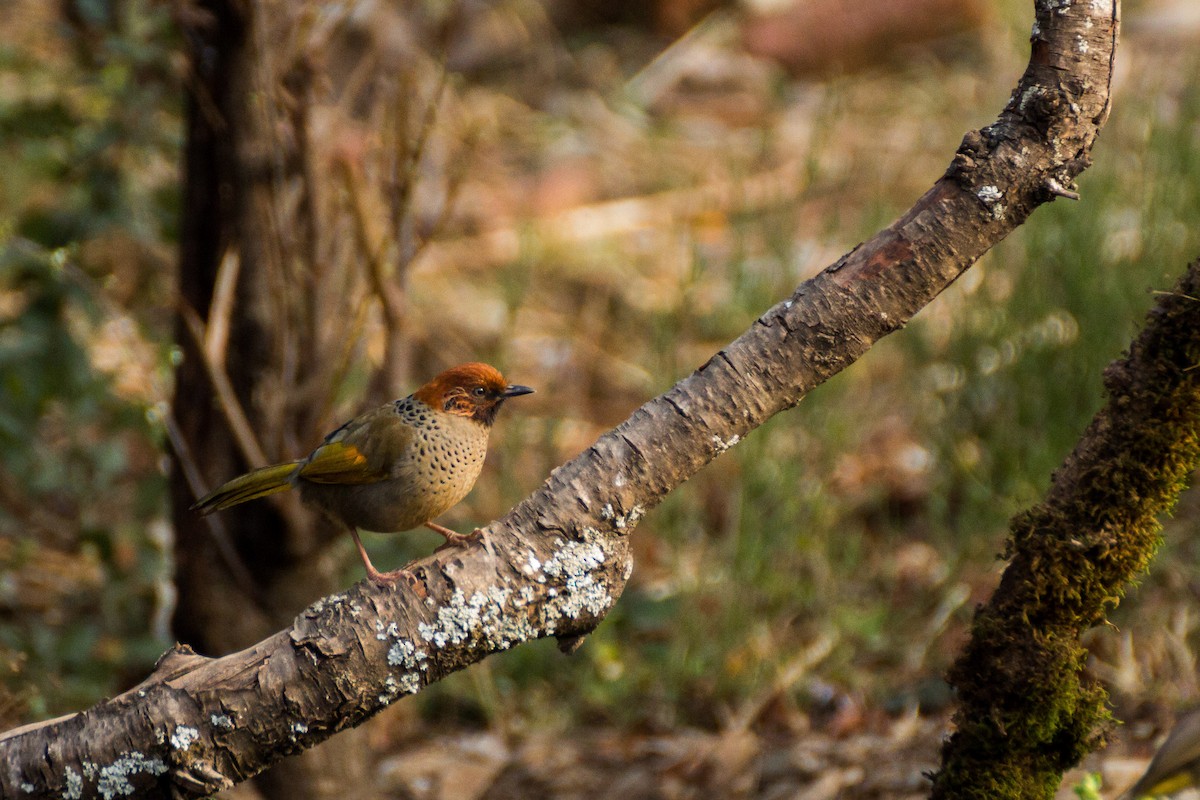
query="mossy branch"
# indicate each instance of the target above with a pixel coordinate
(1028, 711)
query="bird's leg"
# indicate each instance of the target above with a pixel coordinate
(453, 538)
(377, 577)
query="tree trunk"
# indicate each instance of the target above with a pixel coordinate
(242, 575)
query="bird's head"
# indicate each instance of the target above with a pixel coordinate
(469, 390)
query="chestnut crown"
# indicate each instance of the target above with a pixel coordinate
(470, 390)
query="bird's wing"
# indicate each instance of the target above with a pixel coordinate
(367, 449)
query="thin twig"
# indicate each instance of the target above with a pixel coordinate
(216, 339)
(785, 678)
(243, 432)
(349, 343)
(372, 242)
(406, 179)
(239, 424)
(220, 535)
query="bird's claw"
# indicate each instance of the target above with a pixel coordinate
(454, 539)
(389, 579)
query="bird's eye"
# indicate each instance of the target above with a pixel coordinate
(479, 391)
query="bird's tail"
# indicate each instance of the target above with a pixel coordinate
(252, 485)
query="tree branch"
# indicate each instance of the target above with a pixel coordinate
(558, 561)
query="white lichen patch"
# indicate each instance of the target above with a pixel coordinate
(453, 624)
(114, 779)
(1028, 96)
(989, 194)
(406, 655)
(721, 445)
(621, 521)
(635, 515)
(323, 604)
(584, 596)
(221, 721)
(574, 559)
(391, 689)
(183, 737)
(499, 617)
(478, 620)
(1081, 45)
(409, 683)
(533, 568)
(74, 789)
(494, 619)
(573, 566)
(385, 632)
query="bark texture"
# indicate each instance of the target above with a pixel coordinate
(558, 561)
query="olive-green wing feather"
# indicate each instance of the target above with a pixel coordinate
(364, 450)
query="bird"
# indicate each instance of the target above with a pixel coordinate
(1176, 763)
(395, 467)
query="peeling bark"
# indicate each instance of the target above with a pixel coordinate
(558, 561)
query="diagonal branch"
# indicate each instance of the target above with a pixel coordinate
(558, 561)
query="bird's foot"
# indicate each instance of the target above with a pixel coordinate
(390, 579)
(382, 578)
(454, 538)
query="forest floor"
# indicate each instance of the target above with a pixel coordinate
(883, 758)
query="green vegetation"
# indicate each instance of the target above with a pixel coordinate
(87, 207)
(1088, 787)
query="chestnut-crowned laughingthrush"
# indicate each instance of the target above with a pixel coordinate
(395, 467)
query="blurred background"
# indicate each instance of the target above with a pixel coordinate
(596, 197)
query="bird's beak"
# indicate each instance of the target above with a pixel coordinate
(517, 391)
